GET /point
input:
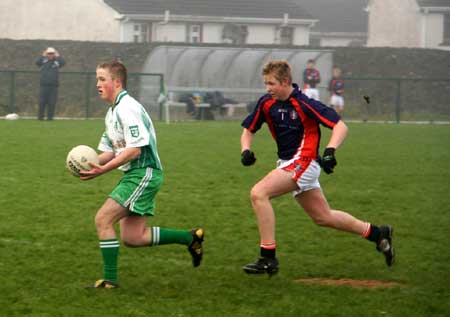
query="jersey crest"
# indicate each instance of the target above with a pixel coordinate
(134, 129)
(293, 114)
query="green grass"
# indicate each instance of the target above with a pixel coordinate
(397, 174)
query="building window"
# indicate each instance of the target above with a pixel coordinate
(286, 34)
(194, 33)
(140, 32)
(234, 34)
(447, 28)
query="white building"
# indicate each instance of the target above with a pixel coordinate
(409, 23)
(214, 21)
(341, 22)
(80, 20)
(187, 21)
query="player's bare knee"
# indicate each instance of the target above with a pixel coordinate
(256, 194)
(323, 220)
(102, 222)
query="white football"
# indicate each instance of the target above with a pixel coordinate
(12, 116)
(79, 158)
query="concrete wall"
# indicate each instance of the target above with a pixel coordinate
(394, 23)
(212, 33)
(433, 30)
(81, 20)
(334, 41)
(301, 35)
(84, 56)
(261, 34)
(170, 32)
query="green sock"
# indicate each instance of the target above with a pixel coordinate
(169, 236)
(110, 253)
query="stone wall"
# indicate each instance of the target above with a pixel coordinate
(355, 62)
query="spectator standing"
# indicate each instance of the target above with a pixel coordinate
(311, 78)
(336, 88)
(49, 64)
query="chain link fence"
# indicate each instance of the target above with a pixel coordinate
(391, 99)
(77, 94)
(398, 99)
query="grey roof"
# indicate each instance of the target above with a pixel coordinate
(338, 15)
(434, 3)
(215, 8)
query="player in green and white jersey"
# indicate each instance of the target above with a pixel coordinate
(129, 143)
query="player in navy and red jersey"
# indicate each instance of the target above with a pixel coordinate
(294, 120)
(336, 88)
(311, 78)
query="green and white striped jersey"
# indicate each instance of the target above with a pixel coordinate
(129, 125)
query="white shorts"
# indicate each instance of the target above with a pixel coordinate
(306, 173)
(337, 101)
(312, 93)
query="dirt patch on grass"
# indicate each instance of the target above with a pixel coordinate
(349, 282)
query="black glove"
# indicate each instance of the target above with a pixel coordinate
(248, 158)
(328, 160)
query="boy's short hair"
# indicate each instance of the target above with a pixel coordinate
(280, 69)
(117, 70)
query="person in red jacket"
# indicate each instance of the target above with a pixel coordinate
(336, 88)
(311, 78)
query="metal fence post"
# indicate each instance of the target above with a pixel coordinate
(162, 91)
(398, 101)
(88, 94)
(12, 92)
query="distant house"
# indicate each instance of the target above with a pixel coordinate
(187, 21)
(341, 22)
(80, 20)
(409, 23)
(214, 21)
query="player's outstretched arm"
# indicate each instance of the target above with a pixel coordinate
(247, 156)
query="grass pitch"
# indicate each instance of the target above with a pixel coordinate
(396, 174)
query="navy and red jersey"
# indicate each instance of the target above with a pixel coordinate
(311, 77)
(294, 123)
(336, 86)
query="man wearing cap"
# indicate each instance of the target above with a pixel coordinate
(49, 64)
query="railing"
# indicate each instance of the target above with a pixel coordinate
(77, 93)
(393, 99)
(412, 99)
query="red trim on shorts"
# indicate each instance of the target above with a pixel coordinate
(298, 167)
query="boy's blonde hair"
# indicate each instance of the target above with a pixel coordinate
(280, 69)
(117, 70)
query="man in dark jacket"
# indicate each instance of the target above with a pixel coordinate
(49, 64)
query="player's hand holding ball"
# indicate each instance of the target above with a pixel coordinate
(328, 161)
(248, 158)
(81, 158)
